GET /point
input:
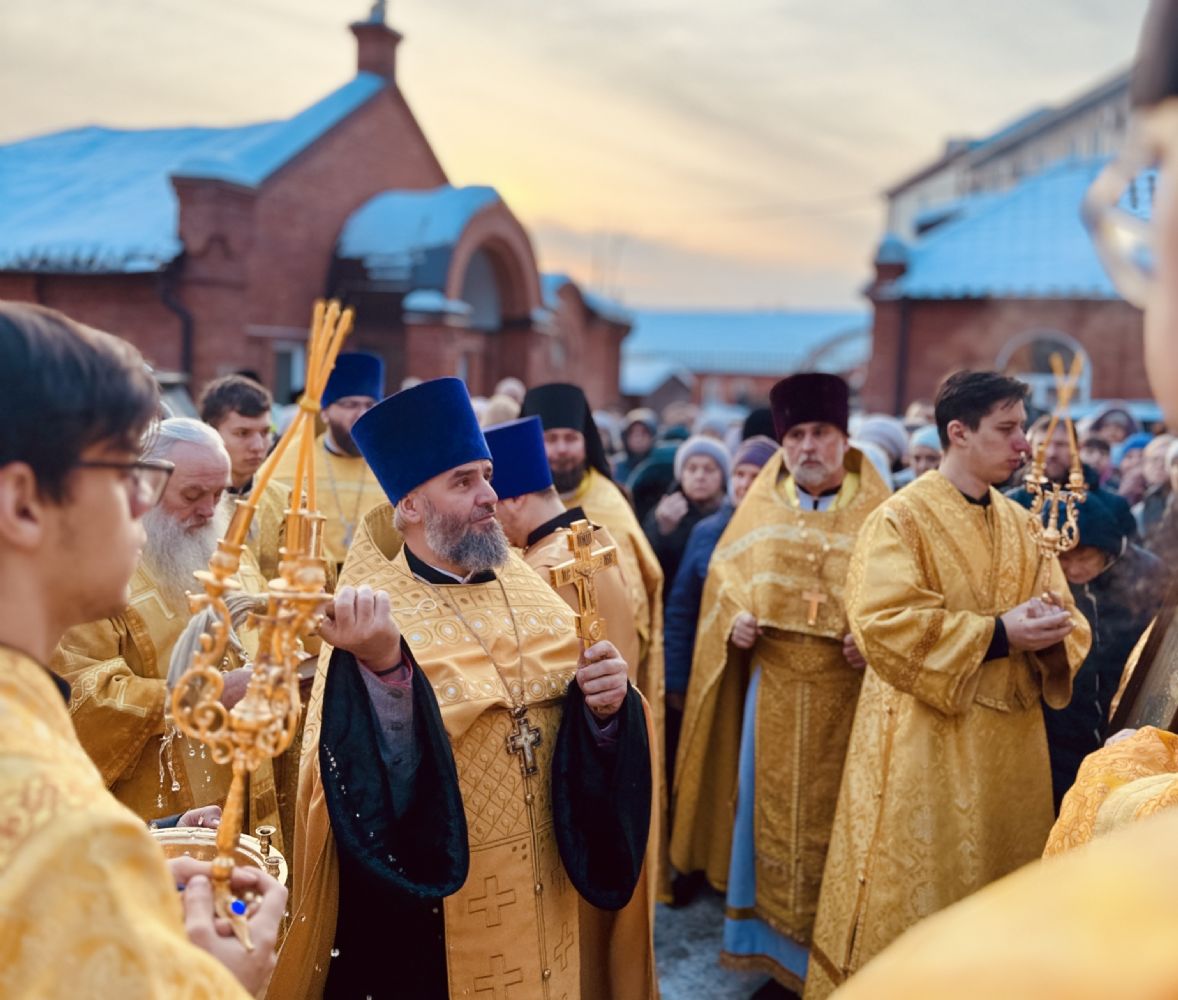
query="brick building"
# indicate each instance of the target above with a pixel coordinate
(734, 357)
(987, 264)
(207, 246)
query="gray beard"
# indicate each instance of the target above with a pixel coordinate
(473, 550)
(172, 554)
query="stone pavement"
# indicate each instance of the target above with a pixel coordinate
(687, 946)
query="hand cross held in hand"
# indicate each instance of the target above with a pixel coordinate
(580, 571)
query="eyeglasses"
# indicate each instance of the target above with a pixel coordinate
(147, 479)
(1117, 213)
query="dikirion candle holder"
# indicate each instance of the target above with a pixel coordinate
(264, 722)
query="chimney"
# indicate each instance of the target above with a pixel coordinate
(376, 44)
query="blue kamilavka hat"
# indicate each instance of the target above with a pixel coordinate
(517, 452)
(355, 374)
(419, 433)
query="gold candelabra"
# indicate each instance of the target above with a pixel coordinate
(1055, 506)
(263, 723)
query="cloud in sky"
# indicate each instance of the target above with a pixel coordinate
(681, 152)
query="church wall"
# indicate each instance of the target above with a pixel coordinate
(947, 335)
(126, 305)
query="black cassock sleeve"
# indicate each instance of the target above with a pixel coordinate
(400, 834)
(601, 798)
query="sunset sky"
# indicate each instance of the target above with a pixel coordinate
(671, 153)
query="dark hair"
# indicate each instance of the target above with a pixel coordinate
(1099, 443)
(233, 394)
(970, 396)
(63, 388)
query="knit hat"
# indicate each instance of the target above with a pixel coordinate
(700, 445)
(888, 433)
(926, 437)
(755, 451)
(1098, 525)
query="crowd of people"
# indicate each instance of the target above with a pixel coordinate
(572, 663)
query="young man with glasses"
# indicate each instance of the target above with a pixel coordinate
(1100, 920)
(88, 906)
(118, 665)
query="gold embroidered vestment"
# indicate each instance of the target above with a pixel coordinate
(947, 785)
(515, 919)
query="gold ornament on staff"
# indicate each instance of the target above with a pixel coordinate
(1059, 530)
(263, 723)
(580, 571)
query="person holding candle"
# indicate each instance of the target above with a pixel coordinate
(471, 769)
(118, 665)
(965, 630)
(89, 908)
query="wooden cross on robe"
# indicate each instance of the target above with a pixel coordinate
(815, 597)
(523, 740)
(579, 571)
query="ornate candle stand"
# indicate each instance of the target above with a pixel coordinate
(263, 723)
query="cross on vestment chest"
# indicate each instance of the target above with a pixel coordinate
(580, 571)
(523, 740)
(815, 597)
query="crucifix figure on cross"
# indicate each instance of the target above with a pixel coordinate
(579, 571)
(523, 740)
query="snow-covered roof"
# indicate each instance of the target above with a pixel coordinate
(642, 376)
(1026, 242)
(100, 200)
(602, 305)
(769, 342)
(431, 301)
(408, 237)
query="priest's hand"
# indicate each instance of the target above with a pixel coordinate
(604, 678)
(744, 631)
(1035, 625)
(207, 816)
(359, 621)
(251, 968)
(235, 682)
(851, 653)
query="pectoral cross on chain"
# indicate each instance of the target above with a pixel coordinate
(815, 597)
(579, 571)
(523, 740)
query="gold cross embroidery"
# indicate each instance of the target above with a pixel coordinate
(815, 597)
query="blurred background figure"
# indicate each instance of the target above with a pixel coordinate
(1118, 587)
(924, 450)
(1129, 457)
(513, 388)
(701, 470)
(1097, 454)
(1156, 472)
(639, 430)
(499, 409)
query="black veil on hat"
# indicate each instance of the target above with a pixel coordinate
(1155, 72)
(561, 405)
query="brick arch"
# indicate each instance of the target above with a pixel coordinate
(1042, 380)
(499, 235)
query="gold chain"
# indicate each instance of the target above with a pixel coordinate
(349, 526)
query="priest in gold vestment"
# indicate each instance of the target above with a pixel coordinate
(535, 521)
(468, 773)
(345, 486)
(1101, 920)
(89, 909)
(118, 666)
(947, 785)
(774, 683)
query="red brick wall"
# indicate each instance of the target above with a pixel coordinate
(946, 335)
(127, 305)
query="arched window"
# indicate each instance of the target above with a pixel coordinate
(480, 290)
(1028, 357)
